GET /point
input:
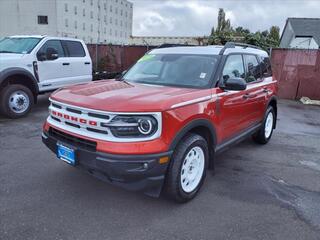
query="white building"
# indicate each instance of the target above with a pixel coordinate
(159, 40)
(94, 21)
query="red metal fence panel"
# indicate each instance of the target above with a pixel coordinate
(115, 58)
(297, 72)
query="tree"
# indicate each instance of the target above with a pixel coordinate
(224, 33)
(274, 33)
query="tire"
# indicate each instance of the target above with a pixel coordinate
(16, 101)
(185, 157)
(265, 132)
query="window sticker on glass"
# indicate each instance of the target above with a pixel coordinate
(146, 58)
(203, 75)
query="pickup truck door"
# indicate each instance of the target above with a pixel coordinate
(79, 62)
(52, 73)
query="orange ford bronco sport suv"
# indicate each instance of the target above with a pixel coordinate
(158, 127)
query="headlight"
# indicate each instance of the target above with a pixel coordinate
(132, 126)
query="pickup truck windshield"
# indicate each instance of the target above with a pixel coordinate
(181, 70)
(18, 45)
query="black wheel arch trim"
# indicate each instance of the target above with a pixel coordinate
(191, 125)
(14, 71)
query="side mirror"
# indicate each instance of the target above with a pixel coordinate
(52, 54)
(120, 75)
(235, 84)
(41, 56)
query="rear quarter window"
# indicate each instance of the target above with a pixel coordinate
(74, 48)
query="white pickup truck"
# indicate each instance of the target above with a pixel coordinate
(31, 65)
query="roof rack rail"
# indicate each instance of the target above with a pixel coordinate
(234, 44)
(168, 45)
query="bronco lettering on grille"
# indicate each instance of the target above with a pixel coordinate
(74, 119)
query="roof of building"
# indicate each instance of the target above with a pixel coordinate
(207, 50)
(305, 27)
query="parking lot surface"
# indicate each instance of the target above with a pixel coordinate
(256, 192)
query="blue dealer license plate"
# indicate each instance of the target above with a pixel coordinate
(66, 154)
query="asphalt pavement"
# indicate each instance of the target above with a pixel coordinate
(256, 192)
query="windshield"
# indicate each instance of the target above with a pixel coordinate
(18, 45)
(180, 70)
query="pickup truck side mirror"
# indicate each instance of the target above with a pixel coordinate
(235, 84)
(52, 54)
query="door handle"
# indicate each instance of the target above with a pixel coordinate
(265, 90)
(65, 64)
(247, 96)
(87, 63)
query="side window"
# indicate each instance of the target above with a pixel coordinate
(233, 68)
(51, 44)
(265, 67)
(74, 48)
(253, 68)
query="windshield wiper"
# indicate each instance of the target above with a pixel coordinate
(7, 52)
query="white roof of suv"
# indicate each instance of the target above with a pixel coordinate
(208, 50)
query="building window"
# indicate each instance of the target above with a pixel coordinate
(116, 22)
(110, 32)
(116, 33)
(91, 28)
(105, 30)
(105, 6)
(84, 1)
(110, 8)
(66, 22)
(111, 20)
(75, 24)
(75, 10)
(42, 19)
(66, 7)
(105, 19)
(91, 14)
(121, 23)
(91, 2)
(121, 34)
(84, 26)
(116, 11)
(121, 12)
(91, 40)
(84, 12)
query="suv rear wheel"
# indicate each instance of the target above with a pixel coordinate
(187, 169)
(265, 132)
(15, 101)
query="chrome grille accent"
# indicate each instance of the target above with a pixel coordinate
(93, 123)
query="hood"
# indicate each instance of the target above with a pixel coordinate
(10, 56)
(120, 96)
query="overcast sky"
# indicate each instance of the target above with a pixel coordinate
(196, 17)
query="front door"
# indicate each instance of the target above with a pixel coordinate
(234, 105)
(52, 73)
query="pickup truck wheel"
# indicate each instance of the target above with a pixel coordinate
(265, 132)
(15, 101)
(187, 169)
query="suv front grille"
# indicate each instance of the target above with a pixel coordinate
(72, 140)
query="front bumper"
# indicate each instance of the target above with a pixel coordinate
(141, 173)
